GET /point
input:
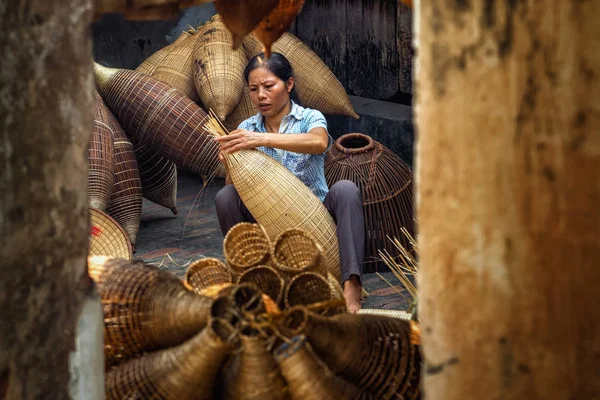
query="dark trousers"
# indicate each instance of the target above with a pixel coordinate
(343, 202)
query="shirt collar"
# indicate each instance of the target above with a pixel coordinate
(297, 112)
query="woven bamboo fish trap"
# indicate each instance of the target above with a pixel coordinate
(184, 372)
(149, 65)
(277, 22)
(205, 273)
(218, 69)
(266, 279)
(314, 290)
(165, 120)
(158, 177)
(236, 303)
(125, 203)
(376, 353)
(385, 182)
(246, 245)
(308, 378)
(251, 373)
(316, 85)
(107, 238)
(222, 289)
(145, 308)
(101, 173)
(296, 251)
(242, 16)
(244, 110)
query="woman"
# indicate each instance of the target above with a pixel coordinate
(297, 137)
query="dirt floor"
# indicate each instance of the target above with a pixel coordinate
(173, 241)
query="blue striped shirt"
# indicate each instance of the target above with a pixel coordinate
(309, 168)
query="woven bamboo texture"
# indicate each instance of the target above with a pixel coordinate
(308, 378)
(244, 110)
(101, 173)
(378, 354)
(278, 21)
(158, 177)
(149, 65)
(296, 251)
(144, 308)
(207, 272)
(125, 203)
(246, 245)
(266, 279)
(159, 116)
(252, 374)
(279, 201)
(385, 182)
(242, 16)
(185, 372)
(309, 288)
(387, 313)
(107, 238)
(316, 85)
(218, 69)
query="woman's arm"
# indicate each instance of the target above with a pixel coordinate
(313, 142)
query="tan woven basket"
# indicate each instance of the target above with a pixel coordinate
(125, 203)
(266, 279)
(184, 372)
(311, 289)
(101, 173)
(145, 308)
(244, 110)
(207, 272)
(278, 21)
(242, 16)
(316, 85)
(246, 245)
(107, 238)
(158, 176)
(218, 69)
(149, 65)
(296, 251)
(161, 117)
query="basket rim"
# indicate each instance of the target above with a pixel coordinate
(354, 135)
(120, 229)
(214, 260)
(239, 226)
(315, 260)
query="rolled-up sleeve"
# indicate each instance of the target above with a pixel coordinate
(315, 119)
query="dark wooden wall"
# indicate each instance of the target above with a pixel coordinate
(366, 43)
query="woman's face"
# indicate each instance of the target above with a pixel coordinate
(269, 93)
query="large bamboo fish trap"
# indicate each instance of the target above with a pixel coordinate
(125, 203)
(161, 117)
(101, 173)
(107, 238)
(278, 21)
(184, 372)
(379, 354)
(278, 200)
(242, 16)
(144, 308)
(385, 182)
(218, 69)
(316, 85)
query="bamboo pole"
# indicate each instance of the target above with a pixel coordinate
(508, 177)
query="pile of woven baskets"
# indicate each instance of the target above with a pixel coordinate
(269, 323)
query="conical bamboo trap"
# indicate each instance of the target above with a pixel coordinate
(125, 203)
(242, 16)
(277, 22)
(316, 85)
(145, 308)
(160, 117)
(101, 173)
(149, 65)
(280, 201)
(385, 182)
(218, 69)
(107, 238)
(158, 177)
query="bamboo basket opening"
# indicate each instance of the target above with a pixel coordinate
(205, 273)
(309, 288)
(354, 143)
(224, 308)
(266, 279)
(246, 245)
(248, 298)
(296, 251)
(294, 321)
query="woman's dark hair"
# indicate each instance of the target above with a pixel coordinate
(277, 64)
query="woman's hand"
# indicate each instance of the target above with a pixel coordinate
(240, 139)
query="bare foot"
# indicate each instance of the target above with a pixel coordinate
(352, 290)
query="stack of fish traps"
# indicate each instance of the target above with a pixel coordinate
(268, 323)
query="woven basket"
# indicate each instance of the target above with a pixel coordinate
(296, 251)
(218, 69)
(149, 65)
(311, 289)
(184, 372)
(107, 238)
(385, 182)
(308, 378)
(244, 110)
(160, 117)
(373, 352)
(251, 373)
(277, 22)
(316, 85)
(158, 176)
(205, 273)
(216, 291)
(242, 16)
(101, 173)
(266, 279)
(246, 245)
(125, 203)
(238, 302)
(279, 201)
(144, 308)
